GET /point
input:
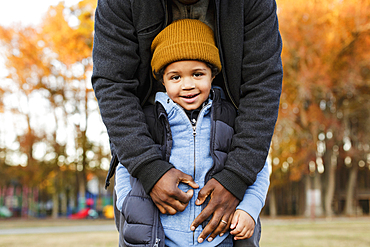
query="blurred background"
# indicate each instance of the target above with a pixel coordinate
(54, 149)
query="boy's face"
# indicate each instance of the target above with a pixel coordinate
(188, 83)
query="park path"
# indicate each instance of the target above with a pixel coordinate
(58, 229)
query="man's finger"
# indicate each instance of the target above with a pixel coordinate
(187, 179)
(215, 226)
(167, 196)
(222, 204)
(204, 193)
(206, 212)
(222, 227)
(191, 183)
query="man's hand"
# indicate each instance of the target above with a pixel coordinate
(222, 205)
(166, 194)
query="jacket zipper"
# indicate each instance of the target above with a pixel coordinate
(194, 135)
(194, 127)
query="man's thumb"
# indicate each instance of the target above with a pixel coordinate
(203, 194)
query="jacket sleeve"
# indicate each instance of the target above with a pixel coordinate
(114, 79)
(255, 196)
(259, 97)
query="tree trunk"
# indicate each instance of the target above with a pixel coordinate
(272, 209)
(349, 209)
(318, 191)
(55, 205)
(81, 191)
(307, 182)
(331, 164)
(63, 201)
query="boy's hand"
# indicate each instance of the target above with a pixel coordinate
(166, 194)
(242, 225)
(222, 205)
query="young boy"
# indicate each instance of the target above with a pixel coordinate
(193, 126)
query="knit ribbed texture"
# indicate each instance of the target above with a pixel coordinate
(185, 39)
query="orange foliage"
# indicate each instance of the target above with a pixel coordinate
(71, 43)
(40, 62)
(326, 60)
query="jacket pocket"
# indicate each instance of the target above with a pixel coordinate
(148, 18)
(142, 225)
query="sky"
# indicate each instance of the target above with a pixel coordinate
(27, 12)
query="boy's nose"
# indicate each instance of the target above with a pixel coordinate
(188, 83)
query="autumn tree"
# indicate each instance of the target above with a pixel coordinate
(326, 66)
(51, 66)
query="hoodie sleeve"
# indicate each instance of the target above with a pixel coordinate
(122, 185)
(255, 196)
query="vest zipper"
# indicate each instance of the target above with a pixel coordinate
(157, 240)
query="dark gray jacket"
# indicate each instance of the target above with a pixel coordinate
(248, 38)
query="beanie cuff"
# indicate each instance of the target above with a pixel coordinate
(185, 51)
(184, 39)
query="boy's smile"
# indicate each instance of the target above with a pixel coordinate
(188, 83)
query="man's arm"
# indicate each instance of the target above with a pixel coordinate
(116, 59)
(258, 110)
(259, 97)
(115, 82)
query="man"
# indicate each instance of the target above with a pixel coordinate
(248, 38)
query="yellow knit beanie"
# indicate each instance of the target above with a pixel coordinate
(184, 39)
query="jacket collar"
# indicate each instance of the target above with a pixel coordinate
(170, 106)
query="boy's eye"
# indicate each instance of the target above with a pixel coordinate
(198, 74)
(175, 77)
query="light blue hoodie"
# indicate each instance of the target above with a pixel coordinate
(190, 154)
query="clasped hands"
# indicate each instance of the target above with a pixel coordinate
(170, 199)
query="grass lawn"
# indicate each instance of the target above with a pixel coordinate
(338, 232)
(72, 239)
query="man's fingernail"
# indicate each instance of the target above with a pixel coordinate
(200, 240)
(221, 234)
(192, 228)
(210, 239)
(197, 201)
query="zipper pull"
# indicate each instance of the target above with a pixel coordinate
(194, 131)
(157, 240)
